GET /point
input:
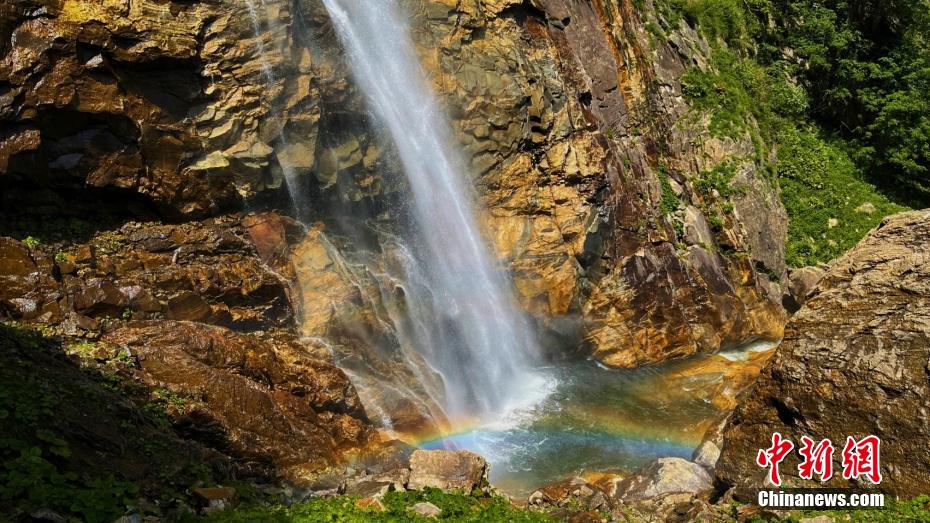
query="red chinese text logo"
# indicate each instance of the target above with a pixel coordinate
(773, 456)
(817, 459)
(860, 458)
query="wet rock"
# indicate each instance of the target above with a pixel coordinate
(665, 476)
(214, 499)
(853, 363)
(447, 470)
(574, 493)
(208, 271)
(426, 509)
(250, 397)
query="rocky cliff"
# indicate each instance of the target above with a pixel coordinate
(853, 363)
(594, 171)
(200, 312)
(631, 232)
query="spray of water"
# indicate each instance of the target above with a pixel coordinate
(462, 316)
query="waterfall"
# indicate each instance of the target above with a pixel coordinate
(268, 75)
(463, 318)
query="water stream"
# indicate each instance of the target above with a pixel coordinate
(466, 325)
(433, 331)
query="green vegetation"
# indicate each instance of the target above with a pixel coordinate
(397, 509)
(34, 455)
(670, 201)
(78, 436)
(840, 89)
(916, 510)
(831, 206)
(31, 242)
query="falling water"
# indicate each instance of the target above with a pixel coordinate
(462, 319)
(268, 74)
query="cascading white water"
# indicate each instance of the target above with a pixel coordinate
(462, 316)
(268, 74)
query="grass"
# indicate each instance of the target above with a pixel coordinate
(455, 507)
(824, 193)
(76, 436)
(34, 454)
(915, 510)
(670, 201)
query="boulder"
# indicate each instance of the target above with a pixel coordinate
(575, 493)
(214, 499)
(250, 397)
(802, 283)
(426, 509)
(665, 476)
(706, 455)
(853, 363)
(447, 470)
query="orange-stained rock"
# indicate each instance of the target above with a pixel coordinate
(250, 397)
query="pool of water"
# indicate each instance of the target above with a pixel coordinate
(600, 420)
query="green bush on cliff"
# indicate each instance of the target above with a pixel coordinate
(830, 204)
(397, 509)
(855, 116)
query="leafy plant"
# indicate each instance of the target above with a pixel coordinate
(31, 242)
(397, 509)
(670, 201)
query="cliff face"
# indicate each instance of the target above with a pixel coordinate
(200, 311)
(594, 173)
(853, 363)
(590, 163)
(603, 189)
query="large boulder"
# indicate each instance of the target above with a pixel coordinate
(665, 476)
(447, 470)
(249, 397)
(853, 363)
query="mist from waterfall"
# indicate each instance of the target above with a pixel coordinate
(461, 317)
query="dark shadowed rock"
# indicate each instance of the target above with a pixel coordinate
(802, 284)
(853, 363)
(251, 398)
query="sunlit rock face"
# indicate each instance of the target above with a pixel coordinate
(572, 117)
(570, 128)
(853, 363)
